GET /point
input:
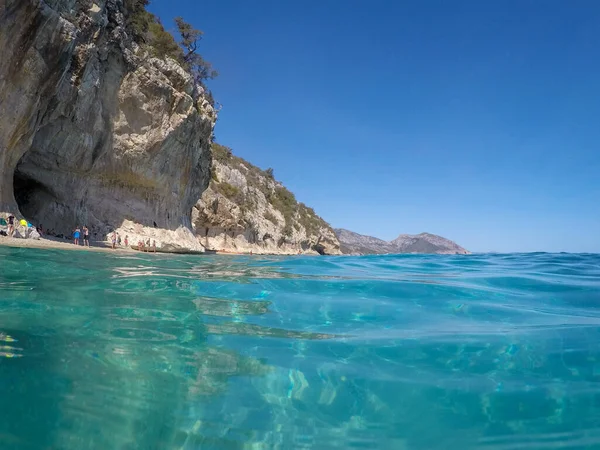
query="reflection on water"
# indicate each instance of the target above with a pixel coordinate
(176, 352)
(8, 347)
(230, 308)
(256, 330)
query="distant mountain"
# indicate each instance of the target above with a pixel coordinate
(427, 243)
(354, 243)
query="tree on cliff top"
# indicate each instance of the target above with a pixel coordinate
(163, 43)
(138, 18)
(147, 30)
(200, 68)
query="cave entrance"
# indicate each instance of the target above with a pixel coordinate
(35, 200)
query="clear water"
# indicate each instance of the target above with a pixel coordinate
(393, 352)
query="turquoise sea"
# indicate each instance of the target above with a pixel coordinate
(224, 352)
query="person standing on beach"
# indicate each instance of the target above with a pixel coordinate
(154, 246)
(126, 240)
(76, 235)
(114, 240)
(86, 236)
(11, 225)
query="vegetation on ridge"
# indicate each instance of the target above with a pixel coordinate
(147, 30)
(294, 213)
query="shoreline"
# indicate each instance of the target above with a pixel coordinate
(104, 246)
(58, 244)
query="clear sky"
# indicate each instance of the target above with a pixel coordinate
(475, 120)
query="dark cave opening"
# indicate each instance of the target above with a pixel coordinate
(33, 198)
(320, 249)
(24, 188)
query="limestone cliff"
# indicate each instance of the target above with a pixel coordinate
(94, 130)
(244, 209)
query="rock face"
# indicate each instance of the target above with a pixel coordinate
(93, 130)
(244, 209)
(358, 244)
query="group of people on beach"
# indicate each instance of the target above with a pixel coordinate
(115, 240)
(147, 246)
(80, 232)
(11, 223)
(80, 235)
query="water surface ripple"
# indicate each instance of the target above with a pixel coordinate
(225, 352)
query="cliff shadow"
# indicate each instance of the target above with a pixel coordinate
(51, 190)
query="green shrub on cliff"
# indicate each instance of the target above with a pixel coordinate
(162, 43)
(271, 217)
(284, 201)
(221, 153)
(295, 214)
(309, 219)
(138, 19)
(228, 190)
(146, 29)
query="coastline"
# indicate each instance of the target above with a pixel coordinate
(104, 246)
(58, 244)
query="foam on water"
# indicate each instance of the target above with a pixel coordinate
(222, 352)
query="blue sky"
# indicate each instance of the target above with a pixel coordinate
(478, 121)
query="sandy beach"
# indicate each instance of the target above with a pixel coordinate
(60, 244)
(97, 246)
